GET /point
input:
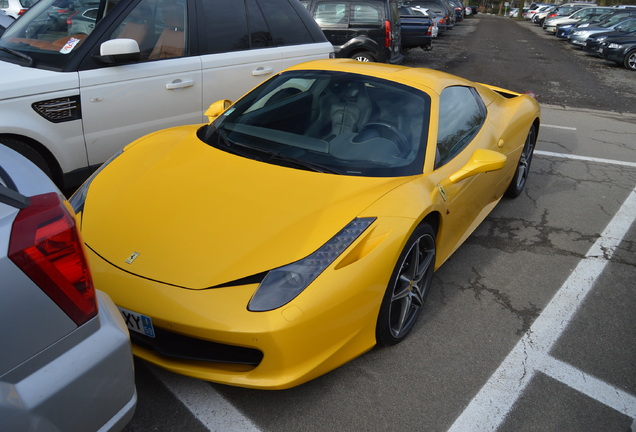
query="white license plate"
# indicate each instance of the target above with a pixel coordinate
(137, 322)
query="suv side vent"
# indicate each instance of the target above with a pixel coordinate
(59, 110)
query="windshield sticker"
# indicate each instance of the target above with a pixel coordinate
(69, 45)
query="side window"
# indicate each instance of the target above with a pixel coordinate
(287, 27)
(461, 114)
(224, 26)
(365, 13)
(158, 26)
(331, 14)
(260, 37)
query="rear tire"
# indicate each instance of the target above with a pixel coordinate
(363, 56)
(523, 167)
(28, 152)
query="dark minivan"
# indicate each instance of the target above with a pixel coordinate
(366, 30)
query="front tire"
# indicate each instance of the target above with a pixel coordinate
(630, 60)
(523, 167)
(408, 287)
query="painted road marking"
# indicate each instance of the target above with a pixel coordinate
(205, 403)
(585, 158)
(558, 127)
(490, 407)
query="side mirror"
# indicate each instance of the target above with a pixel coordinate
(481, 161)
(217, 108)
(118, 51)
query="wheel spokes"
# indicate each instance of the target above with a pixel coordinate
(411, 285)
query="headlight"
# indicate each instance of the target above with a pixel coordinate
(79, 197)
(283, 284)
(614, 45)
(601, 38)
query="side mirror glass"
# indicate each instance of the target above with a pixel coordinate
(217, 108)
(118, 51)
(481, 161)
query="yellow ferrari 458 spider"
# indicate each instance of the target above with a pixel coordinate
(302, 225)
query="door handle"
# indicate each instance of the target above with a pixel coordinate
(261, 71)
(178, 84)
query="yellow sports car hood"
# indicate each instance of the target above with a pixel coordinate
(175, 210)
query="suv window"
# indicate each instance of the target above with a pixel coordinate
(366, 13)
(331, 14)
(461, 114)
(284, 22)
(226, 29)
(158, 26)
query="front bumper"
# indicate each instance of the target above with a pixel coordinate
(210, 334)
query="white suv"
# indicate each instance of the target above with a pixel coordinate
(15, 8)
(83, 78)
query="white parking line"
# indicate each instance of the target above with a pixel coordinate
(205, 403)
(491, 405)
(558, 127)
(585, 158)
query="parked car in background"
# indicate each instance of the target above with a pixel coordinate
(595, 43)
(417, 29)
(5, 21)
(66, 362)
(472, 9)
(540, 16)
(62, 9)
(565, 10)
(439, 8)
(621, 50)
(583, 14)
(15, 8)
(70, 101)
(83, 21)
(365, 30)
(533, 9)
(614, 15)
(458, 9)
(579, 36)
(430, 14)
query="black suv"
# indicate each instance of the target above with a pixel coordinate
(366, 30)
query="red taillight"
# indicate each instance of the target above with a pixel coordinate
(388, 38)
(442, 21)
(21, 11)
(430, 31)
(47, 247)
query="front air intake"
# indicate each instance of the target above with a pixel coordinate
(59, 110)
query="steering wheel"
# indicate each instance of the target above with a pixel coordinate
(394, 134)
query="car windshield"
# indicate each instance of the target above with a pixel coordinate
(326, 121)
(627, 26)
(50, 32)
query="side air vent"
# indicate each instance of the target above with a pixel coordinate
(59, 110)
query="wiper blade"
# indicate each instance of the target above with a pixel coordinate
(302, 163)
(229, 145)
(23, 56)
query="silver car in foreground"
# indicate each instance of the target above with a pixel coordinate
(65, 355)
